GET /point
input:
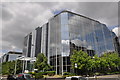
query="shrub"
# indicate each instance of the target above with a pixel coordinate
(50, 73)
(38, 75)
(97, 73)
(43, 73)
(68, 73)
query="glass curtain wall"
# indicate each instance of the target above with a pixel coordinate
(65, 42)
(108, 39)
(33, 43)
(29, 46)
(68, 32)
(55, 43)
(38, 40)
(43, 41)
(25, 49)
(89, 35)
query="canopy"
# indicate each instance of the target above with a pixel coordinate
(27, 58)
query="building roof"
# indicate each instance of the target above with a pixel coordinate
(13, 52)
(76, 14)
(27, 58)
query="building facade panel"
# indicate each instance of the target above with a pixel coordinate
(10, 56)
(65, 42)
(33, 44)
(55, 43)
(27, 45)
(38, 44)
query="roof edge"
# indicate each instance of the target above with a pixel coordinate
(75, 14)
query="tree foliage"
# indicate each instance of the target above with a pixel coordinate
(107, 63)
(9, 67)
(81, 59)
(41, 63)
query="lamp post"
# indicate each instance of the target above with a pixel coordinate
(35, 72)
(76, 68)
(15, 67)
(23, 65)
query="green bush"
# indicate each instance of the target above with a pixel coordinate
(68, 73)
(38, 75)
(50, 73)
(97, 73)
(114, 73)
(43, 73)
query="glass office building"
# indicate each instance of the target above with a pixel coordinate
(11, 56)
(68, 31)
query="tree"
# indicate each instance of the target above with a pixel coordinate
(82, 60)
(9, 67)
(19, 66)
(41, 63)
(112, 61)
(105, 64)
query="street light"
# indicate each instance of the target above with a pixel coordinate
(35, 72)
(76, 68)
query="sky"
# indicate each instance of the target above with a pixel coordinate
(20, 18)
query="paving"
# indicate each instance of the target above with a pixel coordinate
(104, 77)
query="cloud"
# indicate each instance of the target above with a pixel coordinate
(116, 31)
(6, 14)
(60, 1)
(20, 18)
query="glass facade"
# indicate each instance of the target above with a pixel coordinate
(38, 41)
(90, 35)
(69, 31)
(27, 45)
(55, 43)
(32, 43)
(10, 56)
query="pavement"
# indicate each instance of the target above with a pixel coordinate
(114, 77)
(109, 76)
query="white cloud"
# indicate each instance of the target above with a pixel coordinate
(20, 18)
(60, 1)
(116, 30)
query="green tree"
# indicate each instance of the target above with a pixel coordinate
(112, 61)
(9, 67)
(82, 60)
(105, 64)
(41, 63)
(19, 66)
